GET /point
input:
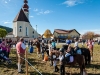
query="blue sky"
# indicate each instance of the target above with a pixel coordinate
(82, 15)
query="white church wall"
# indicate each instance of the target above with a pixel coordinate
(35, 34)
(15, 29)
(20, 29)
(30, 30)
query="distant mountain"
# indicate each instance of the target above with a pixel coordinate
(7, 28)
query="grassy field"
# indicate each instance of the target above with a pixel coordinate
(45, 68)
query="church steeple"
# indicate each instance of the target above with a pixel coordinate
(26, 8)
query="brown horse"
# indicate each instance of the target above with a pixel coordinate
(37, 44)
(85, 53)
(77, 59)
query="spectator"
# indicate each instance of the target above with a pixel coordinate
(53, 44)
(20, 47)
(8, 50)
(68, 41)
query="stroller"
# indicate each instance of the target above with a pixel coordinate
(4, 58)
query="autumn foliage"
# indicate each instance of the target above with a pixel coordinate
(47, 34)
(90, 35)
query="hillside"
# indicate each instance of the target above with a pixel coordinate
(7, 28)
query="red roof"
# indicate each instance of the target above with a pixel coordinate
(61, 31)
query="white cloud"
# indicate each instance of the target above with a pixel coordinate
(35, 10)
(6, 2)
(31, 16)
(47, 12)
(7, 22)
(92, 30)
(71, 3)
(44, 12)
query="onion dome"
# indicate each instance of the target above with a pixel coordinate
(25, 1)
(25, 6)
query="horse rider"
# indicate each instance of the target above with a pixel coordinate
(68, 42)
(76, 47)
(68, 53)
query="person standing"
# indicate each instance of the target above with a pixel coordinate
(8, 50)
(20, 48)
(90, 46)
(62, 66)
(3, 46)
(38, 47)
(53, 44)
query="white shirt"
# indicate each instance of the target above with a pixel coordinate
(50, 48)
(42, 41)
(54, 63)
(92, 43)
(76, 44)
(23, 46)
(61, 57)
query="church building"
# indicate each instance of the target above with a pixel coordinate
(21, 24)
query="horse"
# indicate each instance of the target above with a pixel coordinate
(77, 59)
(37, 44)
(84, 51)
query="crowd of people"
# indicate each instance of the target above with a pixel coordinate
(41, 47)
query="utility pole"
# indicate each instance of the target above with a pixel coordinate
(36, 28)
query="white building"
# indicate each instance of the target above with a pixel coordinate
(21, 24)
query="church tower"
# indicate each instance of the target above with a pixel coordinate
(25, 8)
(21, 23)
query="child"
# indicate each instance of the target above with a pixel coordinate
(55, 64)
(8, 50)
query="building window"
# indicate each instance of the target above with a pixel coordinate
(26, 31)
(20, 29)
(33, 36)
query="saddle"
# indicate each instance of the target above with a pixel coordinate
(78, 51)
(69, 58)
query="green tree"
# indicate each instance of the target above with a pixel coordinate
(3, 32)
